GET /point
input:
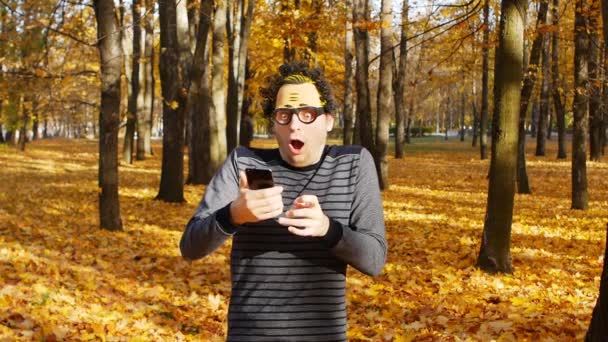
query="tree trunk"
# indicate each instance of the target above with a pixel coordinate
(495, 255)
(412, 104)
(243, 69)
(364, 111)
(550, 116)
(401, 88)
(199, 102)
(109, 116)
(233, 28)
(310, 54)
(595, 101)
(193, 22)
(239, 30)
(560, 111)
(580, 105)
(598, 327)
(35, 119)
(218, 107)
(462, 113)
(289, 51)
(24, 103)
(144, 120)
(247, 120)
(604, 136)
(485, 86)
(534, 120)
(134, 95)
(347, 133)
(541, 135)
(127, 46)
(523, 186)
(475, 127)
(385, 94)
(172, 174)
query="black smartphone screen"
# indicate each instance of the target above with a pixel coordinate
(259, 178)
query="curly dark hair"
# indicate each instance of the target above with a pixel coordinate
(296, 70)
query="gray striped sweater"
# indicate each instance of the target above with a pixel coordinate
(286, 287)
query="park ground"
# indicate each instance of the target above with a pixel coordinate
(62, 278)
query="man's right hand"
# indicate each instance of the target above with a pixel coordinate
(255, 205)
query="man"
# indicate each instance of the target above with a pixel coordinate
(292, 242)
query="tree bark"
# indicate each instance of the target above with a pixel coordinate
(598, 327)
(604, 136)
(35, 118)
(595, 101)
(401, 88)
(385, 94)
(580, 105)
(25, 118)
(243, 70)
(560, 111)
(485, 87)
(144, 120)
(109, 116)
(523, 185)
(462, 112)
(134, 95)
(541, 134)
(233, 29)
(495, 255)
(364, 110)
(193, 22)
(247, 120)
(218, 107)
(199, 102)
(171, 179)
(239, 30)
(347, 133)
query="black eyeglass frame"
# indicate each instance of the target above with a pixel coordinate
(317, 110)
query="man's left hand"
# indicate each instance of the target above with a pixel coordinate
(306, 218)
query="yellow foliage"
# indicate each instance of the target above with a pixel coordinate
(65, 279)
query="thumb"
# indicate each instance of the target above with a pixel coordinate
(243, 184)
(307, 201)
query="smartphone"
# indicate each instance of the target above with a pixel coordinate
(259, 178)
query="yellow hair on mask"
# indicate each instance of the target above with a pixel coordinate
(298, 78)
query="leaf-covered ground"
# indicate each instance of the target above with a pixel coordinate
(62, 278)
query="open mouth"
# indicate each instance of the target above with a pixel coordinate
(296, 145)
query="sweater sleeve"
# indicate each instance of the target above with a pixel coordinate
(210, 225)
(362, 244)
